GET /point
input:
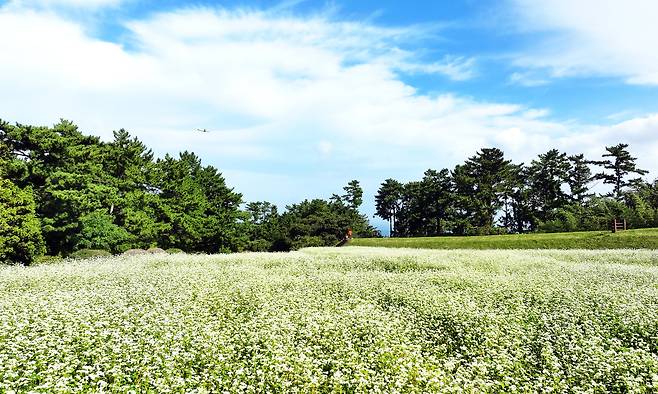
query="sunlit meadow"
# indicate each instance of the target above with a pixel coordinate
(334, 320)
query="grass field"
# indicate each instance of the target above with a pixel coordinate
(334, 320)
(631, 239)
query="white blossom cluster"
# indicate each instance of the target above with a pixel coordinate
(334, 320)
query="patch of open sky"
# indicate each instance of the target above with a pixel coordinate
(601, 101)
(588, 100)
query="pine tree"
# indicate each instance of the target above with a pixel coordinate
(437, 199)
(547, 175)
(518, 213)
(482, 180)
(580, 176)
(620, 164)
(412, 218)
(387, 203)
(353, 196)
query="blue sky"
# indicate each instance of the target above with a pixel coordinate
(303, 96)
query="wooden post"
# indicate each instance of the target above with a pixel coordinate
(618, 225)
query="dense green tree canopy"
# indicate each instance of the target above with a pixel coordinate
(488, 194)
(20, 235)
(114, 195)
(548, 174)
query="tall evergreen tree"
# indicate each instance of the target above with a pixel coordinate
(437, 198)
(201, 210)
(482, 181)
(580, 176)
(412, 218)
(518, 211)
(548, 174)
(387, 202)
(464, 203)
(353, 196)
(620, 164)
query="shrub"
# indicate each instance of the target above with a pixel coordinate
(259, 245)
(134, 252)
(311, 241)
(47, 259)
(90, 253)
(282, 244)
(156, 251)
(20, 232)
(174, 251)
(564, 221)
(99, 232)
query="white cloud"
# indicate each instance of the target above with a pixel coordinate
(527, 79)
(592, 37)
(285, 98)
(456, 68)
(640, 133)
(63, 3)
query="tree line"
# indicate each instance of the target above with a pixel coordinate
(62, 191)
(488, 194)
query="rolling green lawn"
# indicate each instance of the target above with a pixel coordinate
(630, 239)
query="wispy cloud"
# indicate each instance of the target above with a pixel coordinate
(457, 68)
(286, 96)
(63, 3)
(527, 79)
(590, 38)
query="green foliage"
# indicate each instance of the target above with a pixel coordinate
(548, 174)
(114, 196)
(480, 185)
(98, 231)
(20, 235)
(580, 176)
(46, 259)
(619, 165)
(175, 251)
(388, 202)
(261, 226)
(198, 207)
(425, 206)
(563, 220)
(89, 254)
(314, 222)
(320, 223)
(353, 196)
(490, 195)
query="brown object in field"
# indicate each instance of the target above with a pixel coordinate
(348, 237)
(618, 225)
(134, 252)
(156, 251)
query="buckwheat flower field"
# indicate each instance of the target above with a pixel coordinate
(334, 320)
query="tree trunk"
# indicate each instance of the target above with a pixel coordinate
(390, 226)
